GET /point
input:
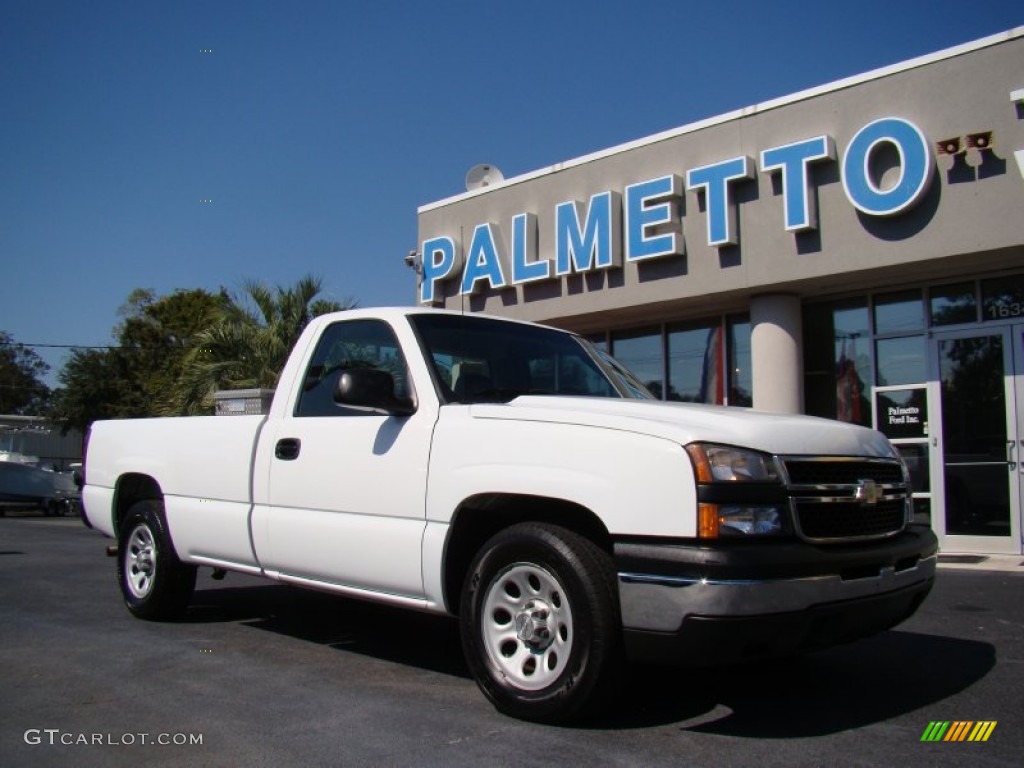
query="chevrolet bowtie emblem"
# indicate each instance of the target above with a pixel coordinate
(868, 492)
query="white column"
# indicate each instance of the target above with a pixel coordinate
(777, 353)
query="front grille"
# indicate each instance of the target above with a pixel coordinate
(845, 520)
(839, 499)
(840, 472)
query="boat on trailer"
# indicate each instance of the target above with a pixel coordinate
(24, 483)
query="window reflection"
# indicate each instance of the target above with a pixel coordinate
(599, 340)
(901, 360)
(923, 510)
(837, 358)
(916, 457)
(1002, 298)
(974, 435)
(695, 364)
(641, 353)
(700, 362)
(899, 312)
(952, 304)
(741, 377)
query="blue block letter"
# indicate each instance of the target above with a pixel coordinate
(649, 204)
(597, 244)
(438, 263)
(793, 160)
(714, 180)
(483, 261)
(525, 267)
(916, 167)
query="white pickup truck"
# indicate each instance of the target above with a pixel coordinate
(519, 478)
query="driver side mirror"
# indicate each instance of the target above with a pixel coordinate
(372, 390)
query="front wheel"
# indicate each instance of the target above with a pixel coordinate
(156, 585)
(540, 623)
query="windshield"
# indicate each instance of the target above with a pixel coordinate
(484, 360)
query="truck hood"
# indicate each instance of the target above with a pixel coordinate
(686, 422)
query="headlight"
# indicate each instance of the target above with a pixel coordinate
(726, 464)
(729, 506)
(717, 521)
(749, 520)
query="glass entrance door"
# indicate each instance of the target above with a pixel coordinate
(976, 476)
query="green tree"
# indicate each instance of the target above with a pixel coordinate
(95, 384)
(248, 343)
(137, 376)
(157, 333)
(22, 390)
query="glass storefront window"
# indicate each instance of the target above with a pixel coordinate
(741, 378)
(837, 359)
(850, 320)
(901, 360)
(916, 457)
(696, 370)
(899, 312)
(953, 304)
(923, 510)
(641, 352)
(1002, 298)
(599, 340)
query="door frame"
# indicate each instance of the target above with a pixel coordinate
(1013, 361)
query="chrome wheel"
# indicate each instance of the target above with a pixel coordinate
(155, 583)
(140, 561)
(527, 626)
(540, 623)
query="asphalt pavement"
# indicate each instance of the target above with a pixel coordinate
(261, 674)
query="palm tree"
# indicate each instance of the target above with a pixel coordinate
(248, 342)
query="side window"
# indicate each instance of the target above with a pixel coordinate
(345, 345)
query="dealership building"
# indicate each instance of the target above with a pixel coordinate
(854, 251)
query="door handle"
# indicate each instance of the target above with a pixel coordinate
(1010, 445)
(287, 448)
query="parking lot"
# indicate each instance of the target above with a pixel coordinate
(261, 674)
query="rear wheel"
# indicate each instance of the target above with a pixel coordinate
(540, 624)
(156, 585)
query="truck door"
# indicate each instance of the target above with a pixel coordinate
(346, 487)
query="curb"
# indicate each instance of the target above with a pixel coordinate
(1002, 563)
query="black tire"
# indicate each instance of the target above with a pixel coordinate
(540, 623)
(156, 585)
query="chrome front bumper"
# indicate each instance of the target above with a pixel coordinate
(661, 603)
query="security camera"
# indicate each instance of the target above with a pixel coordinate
(412, 261)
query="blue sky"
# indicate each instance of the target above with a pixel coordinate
(317, 128)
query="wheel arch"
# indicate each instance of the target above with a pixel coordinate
(132, 488)
(481, 516)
